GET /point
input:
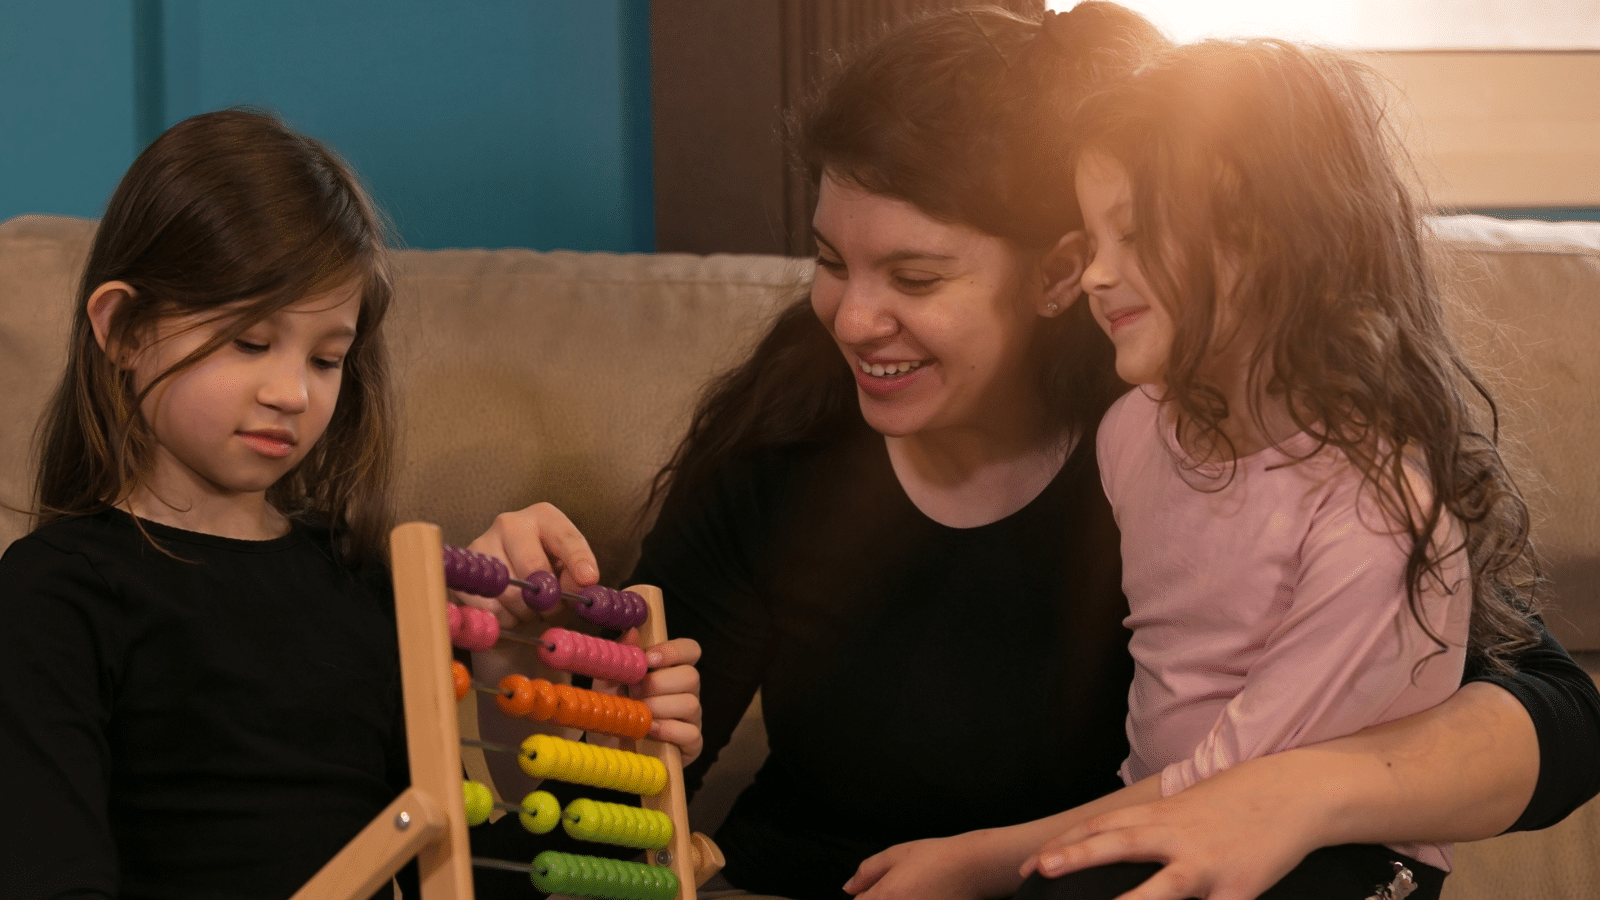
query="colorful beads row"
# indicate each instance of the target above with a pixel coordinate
(589, 876)
(570, 651)
(584, 819)
(607, 608)
(485, 576)
(538, 700)
(539, 812)
(546, 756)
(472, 628)
(614, 823)
(560, 648)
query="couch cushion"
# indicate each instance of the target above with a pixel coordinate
(562, 376)
(1529, 299)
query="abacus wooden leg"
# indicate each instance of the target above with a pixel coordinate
(688, 856)
(444, 858)
(373, 856)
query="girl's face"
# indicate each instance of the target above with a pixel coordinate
(231, 425)
(935, 319)
(1139, 325)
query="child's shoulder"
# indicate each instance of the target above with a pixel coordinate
(70, 557)
(102, 531)
(1134, 413)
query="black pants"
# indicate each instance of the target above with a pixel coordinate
(1348, 872)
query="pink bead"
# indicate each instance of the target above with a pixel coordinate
(472, 628)
(573, 652)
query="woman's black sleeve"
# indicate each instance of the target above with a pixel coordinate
(1562, 701)
(703, 553)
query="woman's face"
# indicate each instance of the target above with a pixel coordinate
(935, 319)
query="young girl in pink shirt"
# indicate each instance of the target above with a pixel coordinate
(1316, 528)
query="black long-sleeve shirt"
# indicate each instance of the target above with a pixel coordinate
(919, 680)
(213, 723)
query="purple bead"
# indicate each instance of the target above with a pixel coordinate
(632, 610)
(474, 573)
(543, 591)
(598, 606)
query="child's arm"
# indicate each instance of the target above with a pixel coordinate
(54, 746)
(978, 864)
(1463, 770)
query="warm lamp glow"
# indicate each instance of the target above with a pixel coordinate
(1383, 24)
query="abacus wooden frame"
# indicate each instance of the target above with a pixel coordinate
(427, 821)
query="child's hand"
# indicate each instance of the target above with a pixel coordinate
(672, 691)
(947, 868)
(536, 538)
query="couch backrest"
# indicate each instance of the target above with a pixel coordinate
(568, 376)
(1530, 295)
(526, 376)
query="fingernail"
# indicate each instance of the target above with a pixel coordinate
(653, 659)
(587, 573)
(1051, 865)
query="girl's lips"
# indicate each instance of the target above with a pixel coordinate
(886, 385)
(1123, 317)
(271, 444)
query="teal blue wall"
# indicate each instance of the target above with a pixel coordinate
(475, 123)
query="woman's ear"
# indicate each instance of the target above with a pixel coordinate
(1063, 267)
(102, 308)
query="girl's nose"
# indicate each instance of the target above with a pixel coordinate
(284, 389)
(1099, 274)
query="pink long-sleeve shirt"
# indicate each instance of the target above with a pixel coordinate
(1268, 611)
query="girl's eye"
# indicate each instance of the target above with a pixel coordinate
(1130, 236)
(831, 266)
(330, 364)
(249, 346)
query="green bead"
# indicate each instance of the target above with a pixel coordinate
(478, 801)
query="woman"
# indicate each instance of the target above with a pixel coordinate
(913, 548)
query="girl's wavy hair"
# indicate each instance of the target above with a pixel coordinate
(1269, 192)
(962, 114)
(228, 216)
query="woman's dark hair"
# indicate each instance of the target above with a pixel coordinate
(229, 216)
(1269, 190)
(961, 114)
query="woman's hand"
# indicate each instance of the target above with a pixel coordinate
(1461, 771)
(1222, 839)
(949, 868)
(536, 538)
(672, 692)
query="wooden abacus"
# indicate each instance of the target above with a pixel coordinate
(428, 821)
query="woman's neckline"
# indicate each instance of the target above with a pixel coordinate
(1000, 494)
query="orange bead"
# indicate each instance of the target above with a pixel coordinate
(544, 703)
(462, 678)
(516, 695)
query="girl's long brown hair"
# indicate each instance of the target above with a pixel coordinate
(1280, 160)
(234, 216)
(961, 114)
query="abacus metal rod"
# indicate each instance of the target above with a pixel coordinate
(568, 596)
(484, 862)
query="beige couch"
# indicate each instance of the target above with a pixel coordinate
(567, 376)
